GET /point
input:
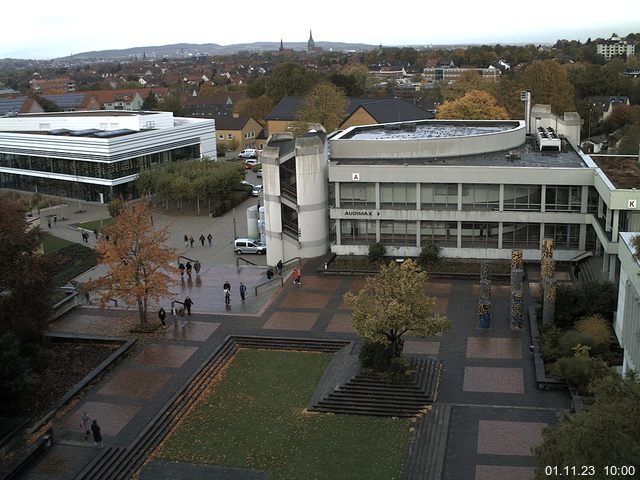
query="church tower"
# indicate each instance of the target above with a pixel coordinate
(281, 49)
(311, 45)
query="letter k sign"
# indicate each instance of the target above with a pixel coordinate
(632, 203)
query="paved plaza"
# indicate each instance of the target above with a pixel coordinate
(488, 379)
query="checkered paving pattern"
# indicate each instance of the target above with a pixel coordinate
(134, 383)
(426, 348)
(493, 380)
(303, 299)
(509, 438)
(110, 416)
(341, 322)
(302, 321)
(172, 356)
(491, 347)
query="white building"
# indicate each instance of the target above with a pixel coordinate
(627, 320)
(615, 47)
(95, 155)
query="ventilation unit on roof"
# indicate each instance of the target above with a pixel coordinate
(547, 138)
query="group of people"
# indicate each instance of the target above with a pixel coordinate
(189, 240)
(176, 312)
(226, 288)
(91, 427)
(55, 221)
(189, 267)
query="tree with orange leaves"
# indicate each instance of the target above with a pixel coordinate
(140, 263)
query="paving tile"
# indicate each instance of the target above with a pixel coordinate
(493, 380)
(134, 383)
(492, 347)
(299, 298)
(497, 291)
(424, 347)
(194, 331)
(343, 306)
(341, 322)
(320, 282)
(438, 288)
(302, 321)
(171, 356)
(441, 306)
(499, 472)
(110, 416)
(509, 438)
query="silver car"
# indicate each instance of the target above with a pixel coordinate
(249, 245)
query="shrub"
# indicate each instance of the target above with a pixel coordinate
(579, 371)
(429, 255)
(576, 301)
(16, 372)
(378, 355)
(597, 328)
(377, 252)
(570, 339)
(549, 344)
(114, 206)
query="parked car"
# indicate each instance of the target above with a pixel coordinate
(256, 190)
(249, 163)
(259, 173)
(249, 245)
(248, 153)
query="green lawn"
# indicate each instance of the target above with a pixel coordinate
(75, 259)
(96, 224)
(255, 418)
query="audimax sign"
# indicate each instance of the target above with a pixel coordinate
(361, 213)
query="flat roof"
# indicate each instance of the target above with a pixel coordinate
(622, 171)
(91, 113)
(433, 129)
(527, 155)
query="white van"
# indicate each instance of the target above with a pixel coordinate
(248, 245)
(248, 153)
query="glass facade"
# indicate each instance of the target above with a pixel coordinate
(439, 196)
(565, 237)
(479, 234)
(398, 196)
(522, 197)
(562, 198)
(358, 232)
(442, 234)
(398, 233)
(480, 197)
(521, 235)
(358, 195)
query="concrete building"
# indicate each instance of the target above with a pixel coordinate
(615, 47)
(627, 319)
(95, 155)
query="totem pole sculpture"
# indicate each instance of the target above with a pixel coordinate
(517, 276)
(484, 304)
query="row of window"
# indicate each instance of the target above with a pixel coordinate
(247, 135)
(472, 234)
(111, 170)
(444, 196)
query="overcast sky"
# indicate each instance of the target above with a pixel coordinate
(46, 29)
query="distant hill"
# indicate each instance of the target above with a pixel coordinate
(193, 49)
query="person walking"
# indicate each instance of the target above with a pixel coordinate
(576, 270)
(174, 314)
(191, 240)
(296, 276)
(186, 240)
(97, 434)
(279, 267)
(55, 220)
(49, 222)
(210, 239)
(189, 268)
(181, 267)
(85, 425)
(243, 290)
(95, 233)
(162, 315)
(202, 239)
(187, 303)
(197, 266)
(227, 293)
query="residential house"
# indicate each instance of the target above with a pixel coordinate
(607, 104)
(21, 104)
(43, 86)
(74, 102)
(359, 111)
(614, 47)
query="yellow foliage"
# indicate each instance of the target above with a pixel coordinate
(474, 105)
(596, 327)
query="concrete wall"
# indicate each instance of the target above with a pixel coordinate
(627, 321)
(567, 125)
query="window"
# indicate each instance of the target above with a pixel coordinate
(229, 136)
(480, 197)
(398, 232)
(398, 195)
(357, 232)
(479, 234)
(357, 195)
(520, 235)
(563, 199)
(439, 196)
(592, 200)
(522, 197)
(442, 234)
(565, 237)
(221, 137)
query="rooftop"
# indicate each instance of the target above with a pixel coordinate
(623, 172)
(91, 113)
(412, 131)
(527, 155)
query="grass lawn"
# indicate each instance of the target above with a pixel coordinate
(96, 224)
(255, 418)
(75, 258)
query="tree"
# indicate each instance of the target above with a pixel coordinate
(138, 260)
(258, 108)
(288, 79)
(150, 102)
(474, 105)
(26, 274)
(549, 84)
(605, 432)
(326, 104)
(394, 302)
